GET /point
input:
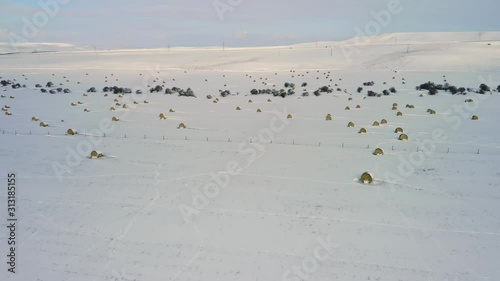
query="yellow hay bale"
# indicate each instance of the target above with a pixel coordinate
(289, 116)
(351, 125)
(329, 117)
(378, 151)
(112, 109)
(96, 154)
(146, 101)
(383, 122)
(250, 101)
(73, 104)
(358, 106)
(394, 108)
(34, 119)
(403, 137)
(398, 130)
(8, 113)
(162, 116)
(362, 131)
(86, 110)
(349, 99)
(43, 124)
(347, 108)
(238, 108)
(394, 105)
(366, 178)
(376, 124)
(181, 126)
(71, 132)
(259, 110)
(475, 117)
(399, 113)
(115, 119)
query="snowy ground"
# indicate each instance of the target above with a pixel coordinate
(295, 209)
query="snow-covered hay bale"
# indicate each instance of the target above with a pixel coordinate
(362, 131)
(71, 132)
(398, 130)
(366, 178)
(96, 154)
(329, 117)
(162, 116)
(115, 119)
(403, 137)
(351, 125)
(181, 126)
(378, 151)
(43, 124)
(383, 122)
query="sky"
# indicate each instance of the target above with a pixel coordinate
(162, 23)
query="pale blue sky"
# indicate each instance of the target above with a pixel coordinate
(158, 23)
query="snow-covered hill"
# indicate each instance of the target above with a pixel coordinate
(165, 204)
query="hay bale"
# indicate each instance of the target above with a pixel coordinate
(124, 106)
(115, 100)
(238, 108)
(135, 102)
(171, 110)
(105, 95)
(378, 151)
(349, 99)
(329, 117)
(289, 116)
(12, 97)
(358, 106)
(383, 122)
(86, 110)
(362, 131)
(351, 125)
(6, 106)
(376, 124)
(366, 178)
(34, 119)
(8, 113)
(2, 96)
(162, 116)
(73, 104)
(269, 100)
(96, 154)
(347, 108)
(71, 132)
(398, 130)
(394, 108)
(403, 137)
(43, 124)
(394, 105)
(146, 101)
(80, 102)
(433, 112)
(250, 101)
(112, 109)
(429, 110)
(115, 119)
(399, 113)
(258, 110)
(181, 126)
(421, 95)
(475, 117)
(85, 95)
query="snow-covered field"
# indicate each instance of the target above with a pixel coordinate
(165, 204)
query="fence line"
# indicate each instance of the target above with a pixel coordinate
(399, 147)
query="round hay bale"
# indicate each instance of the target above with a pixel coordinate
(349, 99)
(43, 124)
(86, 110)
(394, 105)
(289, 116)
(105, 95)
(146, 101)
(124, 106)
(433, 112)
(429, 110)
(399, 113)
(115, 100)
(394, 108)
(351, 125)
(238, 108)
(6, 106)
(34, 119)
(215, 101)
(118, 104)
(403, 137)
(378, 151)
(329, 117)
(358, 106)
(475, 117)
(11, 97)
(258, 110)
(250, 101)
(96, 154)
(347, 108)
(376, 124)
(4, 109)
(73, 104)
(269, 100)
(469, 100)
(162, 116)
(366, 178)
(71, 132)
(421, 96)
(362, 131)
(115, 119)
(383, 122)
(80, 102)
(112, 109)
(181, 126)
(398, 130)
(171, 110)
(8, 113)
(135, 102)
(3, 96)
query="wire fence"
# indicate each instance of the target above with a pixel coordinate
(396, 146)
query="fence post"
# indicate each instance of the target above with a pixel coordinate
(186, 138)
(293, 142)
(144, 136)
(15, 133)
(319, 144)
(125, 136)
(48, 133)
(163, 137)
(104, 135)
(448, 150)
(393, 148)
(342, 145)
(30, 132)
(478, 151)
